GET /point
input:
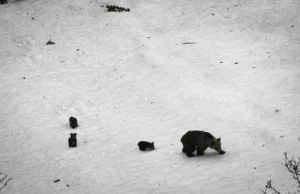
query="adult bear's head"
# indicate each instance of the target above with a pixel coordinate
(216, 145)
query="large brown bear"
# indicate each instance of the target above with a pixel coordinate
(200, 141)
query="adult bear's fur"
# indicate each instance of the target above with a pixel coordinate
(200, 141)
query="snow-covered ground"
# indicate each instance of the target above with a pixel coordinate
(128, 77)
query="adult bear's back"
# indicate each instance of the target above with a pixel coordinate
(194, 137)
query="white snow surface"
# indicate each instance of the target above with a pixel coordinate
(127, 76)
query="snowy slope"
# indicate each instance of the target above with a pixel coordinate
(128, 77)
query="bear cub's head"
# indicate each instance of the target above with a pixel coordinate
(216, 145)
(73, 135)
(151, 146)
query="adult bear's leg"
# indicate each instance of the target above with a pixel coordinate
(201, 147)
(189, 150)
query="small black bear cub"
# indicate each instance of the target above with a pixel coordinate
(73, 122)
(145, 145)
(3, 1)
(73, 140)
(199, 141)
(114, 8)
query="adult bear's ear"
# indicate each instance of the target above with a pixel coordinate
(219, 139)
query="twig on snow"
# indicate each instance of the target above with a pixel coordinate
(3, 178)
(293, 167)
(5, 183)
(271, 187)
